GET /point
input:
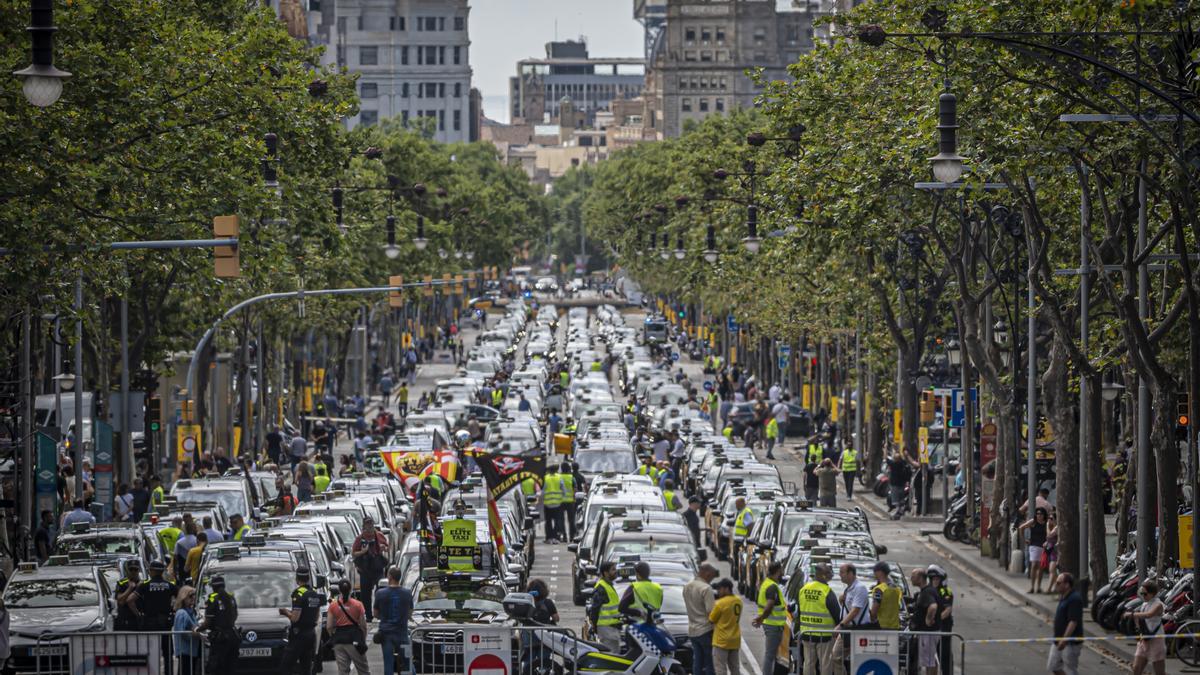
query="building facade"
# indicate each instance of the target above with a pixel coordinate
(412, 58)
(568, 71)
(704, 48)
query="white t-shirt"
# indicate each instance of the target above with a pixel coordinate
(773, 393)
(857, 595)
(781, 413)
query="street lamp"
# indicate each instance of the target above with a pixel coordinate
(419, 240)
(66, 381)
(1111, 391)
(42, 83)
(947, 164)
(391, 250)
(751, 241)
(954, 352)
(710, 243)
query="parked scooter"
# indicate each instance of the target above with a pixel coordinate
(651, 649)
(957, 527)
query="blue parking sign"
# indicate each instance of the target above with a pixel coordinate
(957, 411)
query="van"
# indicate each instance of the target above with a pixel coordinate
(47, 413)
(654, 330)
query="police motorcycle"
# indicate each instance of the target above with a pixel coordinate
(651, 649)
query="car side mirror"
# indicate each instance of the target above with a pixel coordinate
(529, 522)
(573, 548)
(322, 581)
(881, 549)
(703, 555)
(580, 496)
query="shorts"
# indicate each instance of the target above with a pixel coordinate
(927, 656)
(1066, 659)
(1153, 649)
(1035, 556)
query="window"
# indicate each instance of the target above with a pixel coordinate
(396, 23)
(441, 56)
(404, 117)
(368, 117)
(404, 89)
(721, 36)
(724, 84)
(368, 56)
(458, 120)
(685, 105)
(760, 35)
(689, 56)
(441, 23)
(441, 120)
(689, 35)
(460, 23)
(703, 105)
(706, 56)
(683, 83)
(441, 90)
(429, 90)
(457, 56)
(720, 105)
(458, 90)
(404, 56)
(705, 35)
(431, 56)
(369, 90)
(360, 22)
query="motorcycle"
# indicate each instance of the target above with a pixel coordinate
(956, 527)
(650, 651)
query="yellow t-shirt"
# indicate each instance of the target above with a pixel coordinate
(193, 562)
(726, 617)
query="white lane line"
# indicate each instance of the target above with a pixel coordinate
(747, 657)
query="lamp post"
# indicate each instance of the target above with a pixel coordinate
(42, 83)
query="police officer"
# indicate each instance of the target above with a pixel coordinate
(155, 596)
(220, 620)
(946, 596)
(129, 616)
(302, 634)
(818, 613)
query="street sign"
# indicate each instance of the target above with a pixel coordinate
(957, 409)
(1186, 554)
(731, 325)
(874, 653)
(785, 350)
(187, 442)
(487, 650)
(783, 362)
(104, 467)
(987, 454)
(923, 444)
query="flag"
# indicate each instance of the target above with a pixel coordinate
(494, 526)
(505, 472)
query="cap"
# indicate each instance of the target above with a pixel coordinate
(722, 583)
(217, 580)
(302, 572)
(935, 571)
(882, 566)
(157, 565)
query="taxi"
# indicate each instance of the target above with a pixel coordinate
(56, 598)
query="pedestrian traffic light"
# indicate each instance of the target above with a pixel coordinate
(225, 258)
(396, 298)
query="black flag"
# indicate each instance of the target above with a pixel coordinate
(505, 472)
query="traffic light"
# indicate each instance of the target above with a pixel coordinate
(154, 414)
(226, 264)
(1182, 416)
(928, 407)
(682, 313)
(396, 298)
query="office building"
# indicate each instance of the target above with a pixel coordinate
(592, 84)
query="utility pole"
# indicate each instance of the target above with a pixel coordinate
(78, 440)
(1144, 514)
(29, 410)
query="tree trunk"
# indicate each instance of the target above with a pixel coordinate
(909, 412)
(1060, 409)
(1166, 456)
(1093, 490)
(876, 428)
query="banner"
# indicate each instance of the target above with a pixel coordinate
(495, 527)
(505, 472)
(420, 465)
(459, 550)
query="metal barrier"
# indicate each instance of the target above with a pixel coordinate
(901, 651)
(481, 649)
(146, 652)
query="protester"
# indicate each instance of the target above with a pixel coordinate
(346, 625)
(726, 618)
(698, 600)
(394, 604)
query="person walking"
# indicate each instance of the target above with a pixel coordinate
(691, 518)
(899, 470)
(818, 613)
(302, 617)
(402, 400)
(855, 605)
(187, 645)
(297, 450)
(346, 624)
(394, 605)
(849, 467)
(726, 618)
(1038, 527)
(772, 615)
(1152, 646)
(699, 600)
(827, 475)
(370, 553)
(772, 433)
(1068, 624)
(603, 608)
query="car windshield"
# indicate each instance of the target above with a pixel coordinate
(485, 598)
(260, 589)
(234, 501)
(618, 548)
(801, 522)
(46, 593)
(97, 544)
(597, 462)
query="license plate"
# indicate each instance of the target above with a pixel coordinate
(251, 652)
(452, 649)
(60, 650)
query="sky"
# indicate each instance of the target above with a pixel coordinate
(505, 31)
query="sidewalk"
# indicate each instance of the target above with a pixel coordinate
(1011, 587)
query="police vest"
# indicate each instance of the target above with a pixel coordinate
(552, 490)
(648, 595)
(778, 616)
(740, 528)
(815, 619)
(610, 614)
(849, 460)
(568, 482)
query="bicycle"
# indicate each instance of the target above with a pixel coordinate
(1186, 644)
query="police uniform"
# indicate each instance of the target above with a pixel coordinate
(947, 653)
(302, 635)
(155, 596)
(127, 616)
(220, 617)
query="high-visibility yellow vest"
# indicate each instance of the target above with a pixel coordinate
(169, 536)
(739, 526)
(646, 470)
(528, 488)
(778, 616)
(497, 397)
(568, 481)
(610, 614)
(552, 490)
(727, 432)
(595, 366)
(888, 614)
(815, 619)
(648, 594)
(669, 499)
(320, 483)
(156, 497)
(241, 532)
(564, 379)
(849, 460)
(772, 428)
(814, 452)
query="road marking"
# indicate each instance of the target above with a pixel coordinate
(748, 657)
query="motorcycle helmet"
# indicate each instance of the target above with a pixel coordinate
(462, 437)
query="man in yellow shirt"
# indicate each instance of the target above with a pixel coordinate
(195, 553)
(726, 617)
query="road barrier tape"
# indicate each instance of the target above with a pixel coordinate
(1090, 638)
